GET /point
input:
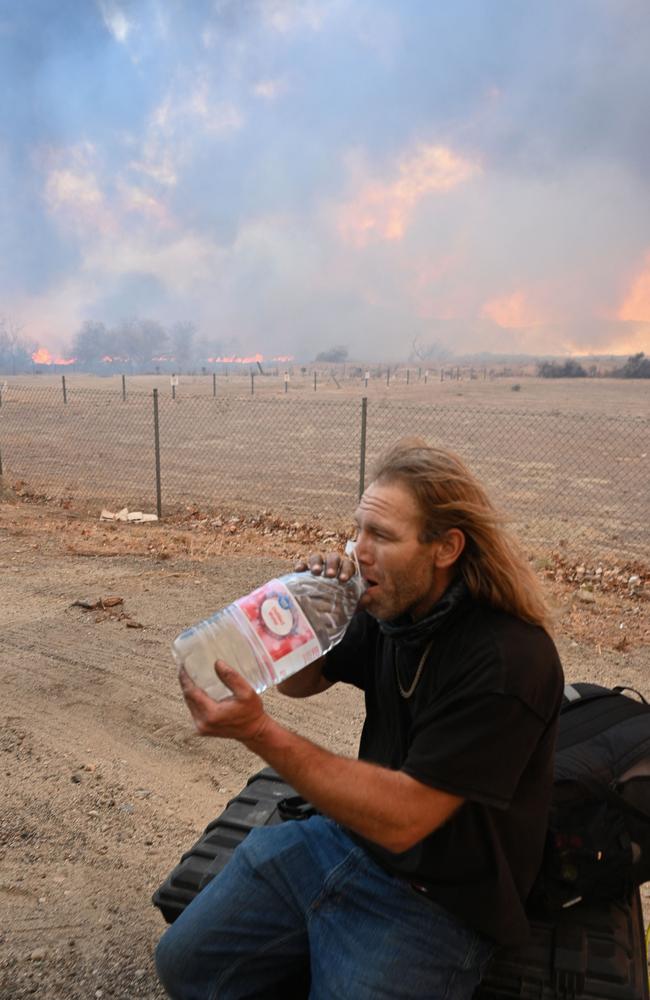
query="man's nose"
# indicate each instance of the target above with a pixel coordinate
(362, 548)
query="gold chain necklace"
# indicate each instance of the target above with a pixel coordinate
(414, 683)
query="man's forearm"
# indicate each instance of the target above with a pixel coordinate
(388, 807)
(382, 805)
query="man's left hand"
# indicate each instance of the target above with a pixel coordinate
(241, 717)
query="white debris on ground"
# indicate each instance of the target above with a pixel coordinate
(126, 515)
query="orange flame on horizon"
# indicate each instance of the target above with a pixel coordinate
(42, 356)
(237, 361)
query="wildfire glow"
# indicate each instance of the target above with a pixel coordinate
(383, 210)
(512, 312)
(43, 357)
(636, 307)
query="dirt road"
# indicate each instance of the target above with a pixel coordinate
(104, 783)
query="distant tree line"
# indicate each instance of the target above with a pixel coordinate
(333, 355)
(15, 353)
(139, 343)
(569, 369)
(636, 366)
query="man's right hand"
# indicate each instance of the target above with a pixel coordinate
(332, 564)
(310, 680)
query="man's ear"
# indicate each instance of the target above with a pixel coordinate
(449, 548)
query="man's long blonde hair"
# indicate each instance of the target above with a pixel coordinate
(449, 496)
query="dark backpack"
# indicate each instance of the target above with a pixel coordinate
(598, 842)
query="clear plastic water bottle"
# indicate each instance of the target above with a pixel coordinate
(271, 633)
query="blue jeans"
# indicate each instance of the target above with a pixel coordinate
(303, 894)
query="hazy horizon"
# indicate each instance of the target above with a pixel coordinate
(288, 176)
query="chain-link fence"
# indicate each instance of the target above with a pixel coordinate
(579, 478)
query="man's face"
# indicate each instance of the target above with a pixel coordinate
(399, 568)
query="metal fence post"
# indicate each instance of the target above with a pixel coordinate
(362, 449)
(314, 381)
(0, 463)
(408, 375)
(156, 435)
(388, 376)
(124, 388)
(65, 395)
(214, 383)
(252, 383)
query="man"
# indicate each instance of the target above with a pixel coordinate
(427, 846)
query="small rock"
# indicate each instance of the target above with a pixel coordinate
(585, 596)
(38, 954)
(76, 778)
(143, 793)
(126, 807)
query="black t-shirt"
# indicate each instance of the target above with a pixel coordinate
(481, 724)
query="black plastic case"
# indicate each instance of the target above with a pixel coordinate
(583, 953)
(256, 805)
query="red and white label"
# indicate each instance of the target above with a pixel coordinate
(279, 624)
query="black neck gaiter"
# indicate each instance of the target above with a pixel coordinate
(405, 632)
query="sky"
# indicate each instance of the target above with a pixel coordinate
(289, 175)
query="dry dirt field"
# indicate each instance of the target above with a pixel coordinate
(104, 783)
(569, 460)
(611, 397)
